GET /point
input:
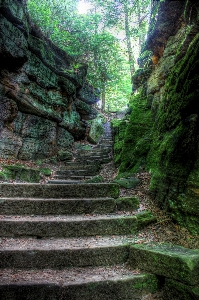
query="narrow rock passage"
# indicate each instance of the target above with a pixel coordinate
(67, 239)
(71, 238)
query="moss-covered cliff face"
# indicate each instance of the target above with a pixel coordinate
(44, 100)
(168, 90)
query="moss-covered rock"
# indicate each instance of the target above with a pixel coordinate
(145, 218)
(118, 129)
(128, 183)
(132, 139)
(64, 155)
(96, 129)
(175, 289)
(127, 203)
(167, 260)
(174, 147)
(22, 173)
(162, 133)
(39, 112)
(45, 171)
(95, 179)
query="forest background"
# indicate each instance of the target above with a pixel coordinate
(106, 35)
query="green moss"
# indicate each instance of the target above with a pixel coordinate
(95, 179)
(132, 139)
(145, 218)
(18, 172)
(175, 288)
(96, 129)
(150, 284)
(45, 171)
(39, 162)
(127, 203)
(64, 155)
(3, 176)
(174, 145)
(128, 183)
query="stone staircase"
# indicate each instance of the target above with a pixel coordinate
(87, 161)
(68, 241)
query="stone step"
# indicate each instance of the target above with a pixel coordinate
(79, 166)
(68, 252)
(94, 160)
(77, 177)
(39, 206)
(75, 172)
(93, 156)
(113, 282)
(73, 225)
(67, 226)
(106, 141)
(97, 152)
(103, 147)
(36, 190)
(62, 180)
(171, 261)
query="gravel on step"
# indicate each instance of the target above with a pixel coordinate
(67, 276)
(64, 243)
(67, 218)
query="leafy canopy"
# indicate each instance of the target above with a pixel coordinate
(92, 38)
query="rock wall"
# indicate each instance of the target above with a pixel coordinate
(44, 98)
(163, 128)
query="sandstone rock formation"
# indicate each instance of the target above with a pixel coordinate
(44, 100)
(162, 135)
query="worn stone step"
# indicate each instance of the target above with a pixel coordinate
(79, 166)
(73, 225)
(106, 141)
(106, 138)
(62, 180)
(67, 226)
(113, 282)
(63, 252)
(94, 160)
(59, 191)
(93, 157)
(35, 206)
(171, 261)
(76, 172)
(97, 152)
(103, 147)
(79, 178)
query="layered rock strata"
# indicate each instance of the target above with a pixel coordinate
(44, 100)
(162, 135)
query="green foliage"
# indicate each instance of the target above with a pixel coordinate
(91, 38)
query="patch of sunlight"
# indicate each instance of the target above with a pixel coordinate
(83, 7)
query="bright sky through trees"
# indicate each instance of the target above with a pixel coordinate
(83, 7)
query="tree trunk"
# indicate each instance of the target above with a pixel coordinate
(128, 40)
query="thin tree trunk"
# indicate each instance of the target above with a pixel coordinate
(128, 40)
